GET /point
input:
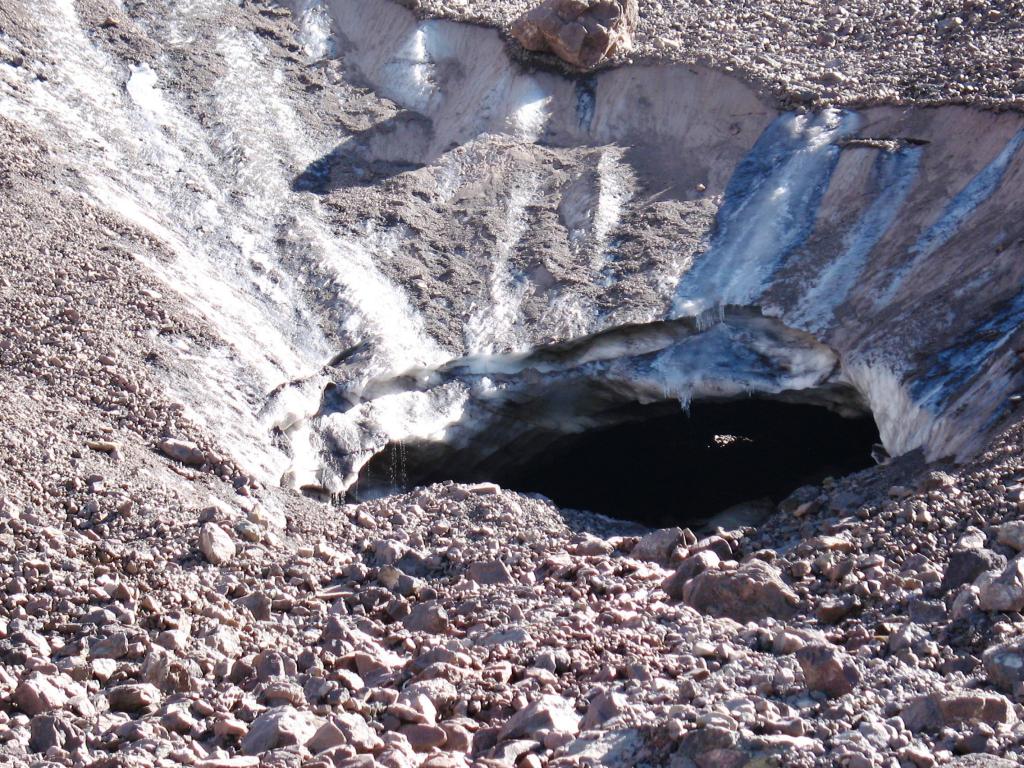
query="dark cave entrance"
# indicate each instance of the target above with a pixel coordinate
(660, 465)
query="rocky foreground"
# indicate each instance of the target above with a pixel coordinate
(850, 53)
(163, 608)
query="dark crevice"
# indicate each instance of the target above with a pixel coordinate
(660, 466)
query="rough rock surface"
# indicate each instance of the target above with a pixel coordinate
(582, 33)
(752, 592)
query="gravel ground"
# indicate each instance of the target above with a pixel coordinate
(810, 53)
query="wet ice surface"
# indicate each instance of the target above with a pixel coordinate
(768, 210)
(959, 209)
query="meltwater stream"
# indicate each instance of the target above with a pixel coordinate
(397, 235)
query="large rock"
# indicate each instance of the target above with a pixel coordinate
(358, 734)
(1004, 664)
(133, 697)
(1011, 534)
(279, 727)
(965, 565)
(548, 713)
(957, 708)
(183, 451)
(827, 669)
(215, 544)
(37, 694)
(688, 569)
(46, 731)
(752, 592)
(1006, 591)
(583, 33)
(427, 617)
(657, 546)
(981, 761)
(490, 572)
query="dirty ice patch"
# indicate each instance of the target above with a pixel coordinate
(956, 213)
(894, 175)
(316, 33)
(530, 108)
(953, 368)
(142, 89)
(769, 209)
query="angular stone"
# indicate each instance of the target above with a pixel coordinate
(279, 727)
(114, 646)
(827, 669)
(426, 617)
(1004, 664)
(328, 736)
(603, 708)
(981, 761)
(973, 707)
(37, 694)
(965, 565)
(357, 732)
(46, 731)
(834, 609)
(1011, 534)
(423, 737)
(1006, 591)
(215, 544)
(548, 713)
(657, 546)
(959, 708)
(183, 451)
(688, 568)
(752, 592)
(491, 572)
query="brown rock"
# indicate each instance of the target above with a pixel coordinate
(827, 669)
(133, 697)
(688, 568)
(423, 737)
(183, 451)
(491, 572)
(328, 736)
(426, 617)
(937, 710)
(279, 727)
(657, 546)
(46, 731)
(356, 731)
(38, 694)
(216, 545)
(752, 592)
(965, 565)
(583, 33)
(602, 708)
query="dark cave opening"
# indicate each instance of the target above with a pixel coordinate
(659, 465)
